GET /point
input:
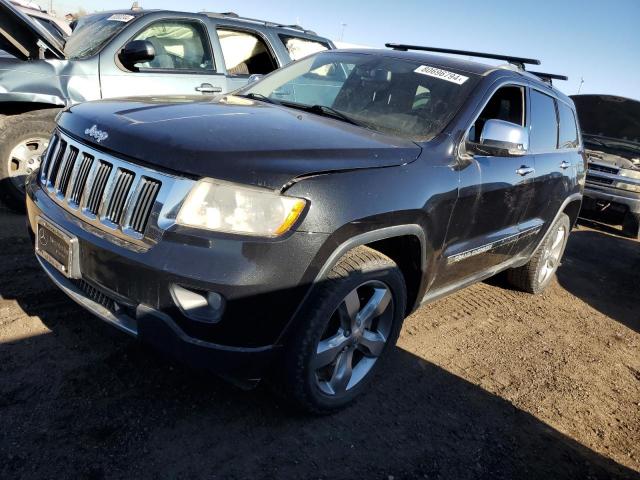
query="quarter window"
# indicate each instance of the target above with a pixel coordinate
(301, 47)
(568, 129)
(544, 123)
(178, 46)
(245, 53)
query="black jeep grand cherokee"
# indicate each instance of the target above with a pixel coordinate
(290, 228)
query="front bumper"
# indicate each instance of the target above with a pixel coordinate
(624, 198)
(263, 283)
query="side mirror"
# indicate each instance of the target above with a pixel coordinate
(501, 139)
(256, 77)
(137, 51)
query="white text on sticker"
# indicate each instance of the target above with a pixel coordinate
(441, 74)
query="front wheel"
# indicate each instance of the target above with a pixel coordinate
(353, 320)
(536, 275)
(23, 140)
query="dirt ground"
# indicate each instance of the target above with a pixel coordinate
(488, 383)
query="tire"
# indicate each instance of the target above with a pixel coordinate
(308, 386)
(23, 138)
(631, 225)
(536, 275)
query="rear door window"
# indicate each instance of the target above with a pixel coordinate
(568, 129)
(544, 123)
(301, 47)
(245, 53)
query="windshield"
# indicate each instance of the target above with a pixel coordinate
(92, 34)
(389, 95)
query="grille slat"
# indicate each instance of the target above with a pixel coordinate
(97, 189)
(54, 166)
(81, 179)
(144, 204)
(124, 180)
(600, 180)
(602, 168)
(51, 151)
(62, 183)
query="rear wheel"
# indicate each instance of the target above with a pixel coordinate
(354, 319)
(23, 140)
(631, 225)
(536, 275)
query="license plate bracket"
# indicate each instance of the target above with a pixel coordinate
(57, 247)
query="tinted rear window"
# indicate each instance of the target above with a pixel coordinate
(544, 124)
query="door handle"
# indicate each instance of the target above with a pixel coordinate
(208, 88)
(564, 165)
(524, 170)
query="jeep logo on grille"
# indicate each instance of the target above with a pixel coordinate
(97, 135)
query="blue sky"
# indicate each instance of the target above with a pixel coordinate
(595, 40)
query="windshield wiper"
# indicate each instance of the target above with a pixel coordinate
(332, 112)
(259, 97)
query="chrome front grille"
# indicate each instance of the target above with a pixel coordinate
(113, 195)
(599, 180)
(596, 167)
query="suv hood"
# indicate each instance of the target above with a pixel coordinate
(232, 138)
(611, 129)
(24, 38)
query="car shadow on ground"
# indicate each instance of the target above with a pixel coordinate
(80, 399)
(602, 268)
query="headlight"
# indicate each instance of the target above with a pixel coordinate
(226, 207)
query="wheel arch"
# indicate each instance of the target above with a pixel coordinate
(388, 241)
(572, 209)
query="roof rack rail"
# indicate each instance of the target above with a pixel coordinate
(518, 61)
(266, 23)
(549, 77)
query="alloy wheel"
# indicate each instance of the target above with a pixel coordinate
(552, 255)
(354, 339)
(24, 159)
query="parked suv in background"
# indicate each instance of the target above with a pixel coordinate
(290, 228)
(113, 54)
(611, 130)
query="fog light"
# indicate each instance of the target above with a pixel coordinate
(198, 305)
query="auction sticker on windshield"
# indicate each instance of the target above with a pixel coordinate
(121, 17)
(441, 74)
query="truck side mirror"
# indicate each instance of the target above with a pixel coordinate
(137, 51)
(501, 139)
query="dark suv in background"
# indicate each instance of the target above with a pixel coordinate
(121, 53)
(288, 229)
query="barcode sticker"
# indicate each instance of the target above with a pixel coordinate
(441, 74)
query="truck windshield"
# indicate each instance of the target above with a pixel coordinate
(94, 31)
(390, 95)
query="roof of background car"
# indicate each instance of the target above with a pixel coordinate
(240, 21)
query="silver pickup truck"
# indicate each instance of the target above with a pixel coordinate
(611, 132)
(124, 53)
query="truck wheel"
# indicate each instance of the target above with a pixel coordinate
(353, 321)
(631, 225)
(23, 139)
(536, 275)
